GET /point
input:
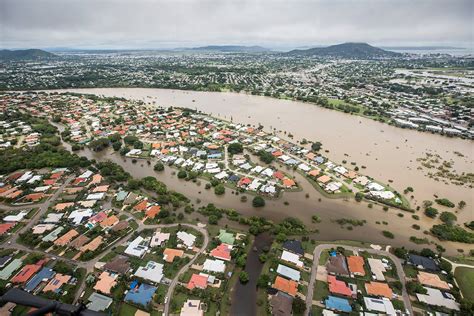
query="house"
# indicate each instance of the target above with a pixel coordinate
(192, 308)
(5, 227)
(44, 275)
(106, 282)
(225, 237)
(56, 282)
(79, 242)
(15, 218)
(109, 221)
(159, 238)
(169, 254)
(98, 302)
(137, 247)
(432, 280)
(338, 304)
(152, 211)
(92, 245)
(338, 287)
(4, 261)
(435, 297)
(216, 266)
(222, 252)
(382, 305)
(281, 304)
(6, 272)
(378, 268)
(356, 265)
(337, 265)
(288, 272)
(197, 281)
(141, 295)
(187, 239)
(66, 238)
(42, 228)
(424, 263)
(78, 215)
(119, 264)
(26, 273)
(294, 246)
(152, 271)
(287, 286)
(291, 258)
(379, 289)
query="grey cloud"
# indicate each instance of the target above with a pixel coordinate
(172, 23)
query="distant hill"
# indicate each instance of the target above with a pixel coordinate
(230, 49)
(6, 54)
(347, 50)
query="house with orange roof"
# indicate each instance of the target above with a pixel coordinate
(56, 282)
(5, 227)
(106, 282)
(222, 252)
(338, 287)
(62, 206)
(34, 197)
(314, 173)
(79, 242)
(66, 238)
(432, 280)
(109, 221)
(14, 194)
(278, 175)
(93, 245)
(288, 183)
(197, 281)
(378, 289)
(26, 273)
(356, 265)
(288, 286)
(169, 254)
(141, 206)
(96, 179)
(324, 179)
(49, 181)
(152, 211)
(100, 189)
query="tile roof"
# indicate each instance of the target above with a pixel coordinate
(356, 265)
(169, 254)
(197, 280)
(284, 285)
(338, 287)
(432, 280)
(379, 289)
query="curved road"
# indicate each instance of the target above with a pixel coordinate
(320, 248)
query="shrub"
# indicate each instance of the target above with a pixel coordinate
(159, 166)
(448, 218)
(388, 234)
(258, 201)
(431, 212)
(219, 189)
(445, 202)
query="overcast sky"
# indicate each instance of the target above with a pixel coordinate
(272, 23)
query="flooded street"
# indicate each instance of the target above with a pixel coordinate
(248, 292)
(389, 153)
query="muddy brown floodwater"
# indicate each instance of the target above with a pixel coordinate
(389, 153)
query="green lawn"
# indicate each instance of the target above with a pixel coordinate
(465, 278)
(321, 290)
(126, 310)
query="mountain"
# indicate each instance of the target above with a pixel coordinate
(6, 54)
(347, 50)
(230, 49)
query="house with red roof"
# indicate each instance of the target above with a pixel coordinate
(142, 206)
(197, 281)
(222, 252)
(338, 287)
(27, 272)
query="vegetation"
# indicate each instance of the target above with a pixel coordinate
(388, 234)
(452, 233)
(448, 218)
(445, 202)
(258, 201)
(265, 156)
(235, 148)
(159, 166)
(431, 212)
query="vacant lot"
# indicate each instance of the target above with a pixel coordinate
(465, 278)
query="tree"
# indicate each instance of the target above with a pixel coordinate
(265, 156)
(427, 252)
(243, 277)
(298, 306)
(448, 218)
(414, 287)
(116, 146)
(431, 212)
(219, 189)
(182, 174)
(235, 148)
(258, 201)
(263, 280)
(359, 196)
(159, 166)
(445, 202)
(316, 146)
(400, 252)
(461, 205)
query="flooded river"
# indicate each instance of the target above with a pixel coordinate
(389, 153)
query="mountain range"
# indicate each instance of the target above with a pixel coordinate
(6, 54)
(346, 50)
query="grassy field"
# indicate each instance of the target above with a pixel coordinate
(465, 278)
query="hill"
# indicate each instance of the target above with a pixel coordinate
(7, 54)
(347, 50)
(230, 49)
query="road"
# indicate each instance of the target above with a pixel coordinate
(317, 254)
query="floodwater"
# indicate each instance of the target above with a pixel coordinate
(389, 153)
(248, 292)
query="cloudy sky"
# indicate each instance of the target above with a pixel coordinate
(272, 23)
